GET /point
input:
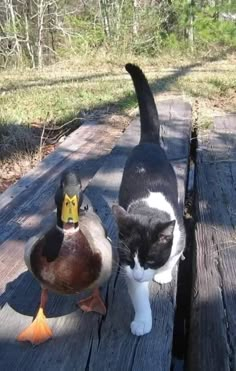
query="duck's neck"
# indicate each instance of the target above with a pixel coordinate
(68, 228)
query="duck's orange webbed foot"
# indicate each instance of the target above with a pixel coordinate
(93, 303)
(39, 331)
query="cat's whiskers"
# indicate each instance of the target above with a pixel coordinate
(121, 268)
(121, 242)
(123, 246)
(122, 274)
(116, 264)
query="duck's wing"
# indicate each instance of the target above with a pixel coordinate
(91, 220)
(52, 243)
(31, 244)
(49, 242)
(93, 228)
(85, 204)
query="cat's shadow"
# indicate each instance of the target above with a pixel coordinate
(23, 296)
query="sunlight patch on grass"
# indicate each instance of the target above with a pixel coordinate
(69, 89)
(28, 105)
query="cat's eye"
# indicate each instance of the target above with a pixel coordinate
(151, 261)
(149, 264)
(131, 264)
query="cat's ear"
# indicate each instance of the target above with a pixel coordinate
(123, 219)
(121, 214)
(166, 233)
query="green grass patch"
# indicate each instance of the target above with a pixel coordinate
(65, 91)
(60, 100)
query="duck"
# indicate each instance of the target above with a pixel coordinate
(72, 256)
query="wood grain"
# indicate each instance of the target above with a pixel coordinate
(213, 316)
(27, 204)
(88, 341)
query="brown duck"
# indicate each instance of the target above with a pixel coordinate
(73, 256)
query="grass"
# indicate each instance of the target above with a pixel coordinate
(81, 87)
(58, 93)
(60, 100)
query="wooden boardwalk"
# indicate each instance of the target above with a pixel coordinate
(213, 319)
(85, 341)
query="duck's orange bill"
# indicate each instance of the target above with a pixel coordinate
(70, 210)
(38, 332)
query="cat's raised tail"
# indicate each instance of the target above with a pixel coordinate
(150, 125)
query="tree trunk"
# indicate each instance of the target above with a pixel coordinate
(135, 18)
(40, 32)
(51, 31)
(119, 12)
(105, 17)
(190, 27)
(29, 48)
(13, 22)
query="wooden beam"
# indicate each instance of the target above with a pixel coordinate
(213, 317)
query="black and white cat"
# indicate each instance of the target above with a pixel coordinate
(151, 230)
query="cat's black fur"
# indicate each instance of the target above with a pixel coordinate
(145, 230)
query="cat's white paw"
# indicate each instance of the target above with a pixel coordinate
(164, 277)
(141, 326)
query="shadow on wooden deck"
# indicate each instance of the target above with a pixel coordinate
(85, 341)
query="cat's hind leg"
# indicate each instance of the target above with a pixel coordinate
(139, 294)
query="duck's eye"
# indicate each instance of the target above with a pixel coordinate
(73, 203)
(67, 203)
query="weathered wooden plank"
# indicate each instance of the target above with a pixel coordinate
(213, 317)
(78, 138)
(89, 142)
(87, 341)
(171, 114)
(33, 198)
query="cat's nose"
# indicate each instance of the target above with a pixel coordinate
(138, 274)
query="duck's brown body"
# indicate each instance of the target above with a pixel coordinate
(75, 268)
(72, 256)
(69, 263)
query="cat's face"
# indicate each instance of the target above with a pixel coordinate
(145, 245)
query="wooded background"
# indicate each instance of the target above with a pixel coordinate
(39, 32)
